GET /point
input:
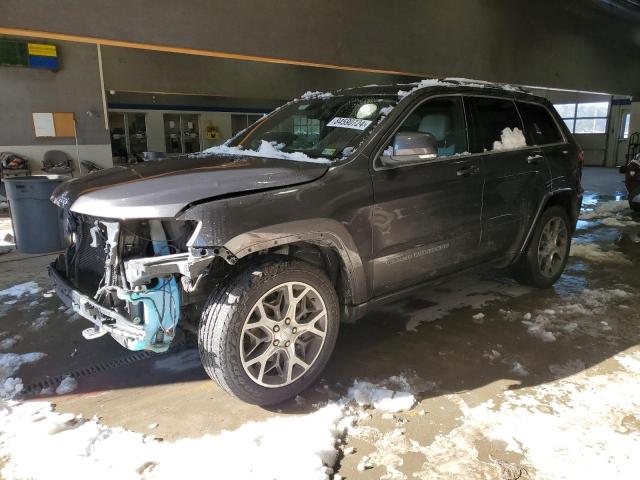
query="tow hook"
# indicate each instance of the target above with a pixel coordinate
(93, 332)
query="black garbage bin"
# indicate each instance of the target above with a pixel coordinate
(37, 223)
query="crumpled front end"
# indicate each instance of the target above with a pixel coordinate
(100, 277)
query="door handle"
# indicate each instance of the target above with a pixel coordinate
(467, 171)
(534, 159)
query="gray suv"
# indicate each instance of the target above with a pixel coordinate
(327, 207)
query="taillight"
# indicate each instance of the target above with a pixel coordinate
(581, 157)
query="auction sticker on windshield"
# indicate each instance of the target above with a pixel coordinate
(343, 122)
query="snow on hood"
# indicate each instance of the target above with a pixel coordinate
(266, 150)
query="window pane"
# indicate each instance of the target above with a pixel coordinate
(566, 110)
(539, 127)
(172, 135)
(444, 119)
(625, 128)
(594, 109)
(238, 123)
(570, 122)
(190, 133)
(591, 125)
(137, 132)
(491, 117)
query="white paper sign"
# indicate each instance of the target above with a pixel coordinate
(343, 122)
(43, 125)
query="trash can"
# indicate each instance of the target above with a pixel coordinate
(37, 223)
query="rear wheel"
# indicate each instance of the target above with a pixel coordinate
(269, 330)
(546, 255)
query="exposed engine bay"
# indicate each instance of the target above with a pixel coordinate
(133, 279)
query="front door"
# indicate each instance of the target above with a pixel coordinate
(426, 218)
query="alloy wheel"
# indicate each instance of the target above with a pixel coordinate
(283, 334)
(552, 248)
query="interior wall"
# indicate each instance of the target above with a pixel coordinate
(74, 88)
(572, 44)
(132, 70)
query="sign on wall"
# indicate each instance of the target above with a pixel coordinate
(18, 53)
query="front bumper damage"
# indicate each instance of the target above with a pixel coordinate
(139, 299)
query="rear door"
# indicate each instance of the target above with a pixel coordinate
(544, 132)
(426, 217)
(515, 173)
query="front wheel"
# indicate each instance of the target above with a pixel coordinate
(546, 255)
(267, 333)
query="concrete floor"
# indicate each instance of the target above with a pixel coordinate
(453, 361)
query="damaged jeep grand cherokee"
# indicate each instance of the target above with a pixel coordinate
(330, 205)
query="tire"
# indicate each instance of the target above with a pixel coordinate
(543, 270)
(235, 331)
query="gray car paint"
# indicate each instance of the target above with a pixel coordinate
(300, 201)
(162, 189)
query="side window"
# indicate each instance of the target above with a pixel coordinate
(495, 125)
(444, 119)
(539, 126)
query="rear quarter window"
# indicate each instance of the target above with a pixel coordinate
(539, 126)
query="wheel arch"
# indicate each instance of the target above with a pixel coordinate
(327, 235)
(564, 197)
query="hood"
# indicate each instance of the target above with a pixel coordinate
(162, 189)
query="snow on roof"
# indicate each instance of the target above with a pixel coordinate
(457, 82)
(313, 95)
(266, 149)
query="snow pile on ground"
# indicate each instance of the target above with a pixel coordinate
(581, 427)
(67, 385)
(468, 291)
(592, 252)
(41, 321)
(71, 447)
(9, 341)
(395, 396)
(581, 311)
(20, 290)
(390, 449)
(536, 327)
(619, 221)
(605, 209)
(518, 369)
(266, 149)
(510, 140)
(9, 364)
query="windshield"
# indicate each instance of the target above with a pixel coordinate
(320, 127)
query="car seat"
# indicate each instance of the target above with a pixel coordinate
(438, 125)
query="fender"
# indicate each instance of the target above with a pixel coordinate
(319, 230)
(541, 208)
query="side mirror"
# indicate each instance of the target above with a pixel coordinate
(622, 169)
(412, 147)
